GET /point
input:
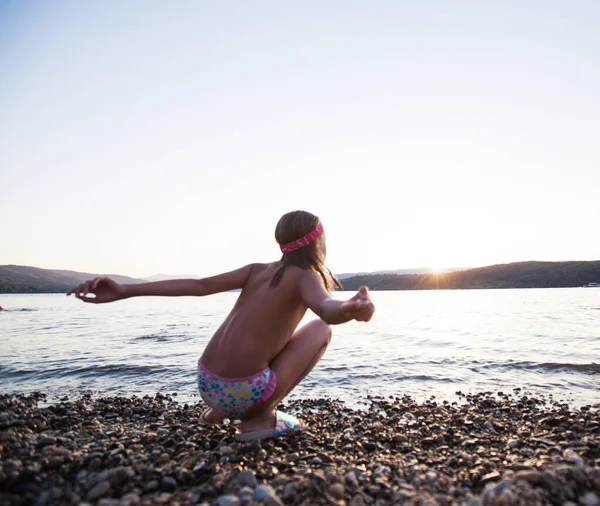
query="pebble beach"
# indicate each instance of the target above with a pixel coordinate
(484, 449)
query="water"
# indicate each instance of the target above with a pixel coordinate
(420, 343)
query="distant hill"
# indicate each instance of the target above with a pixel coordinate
(514, 275)
(24, 279)
(420, 270)
(164, 277)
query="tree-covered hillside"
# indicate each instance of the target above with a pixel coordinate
(24, 279)
(514, 275)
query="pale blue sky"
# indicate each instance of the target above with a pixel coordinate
(139, 137)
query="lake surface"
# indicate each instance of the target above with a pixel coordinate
(419, 343)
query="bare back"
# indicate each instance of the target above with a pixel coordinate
(259, 325)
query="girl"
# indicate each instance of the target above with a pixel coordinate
(257, 356)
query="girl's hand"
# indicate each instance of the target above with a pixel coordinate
(104, 289)
(360, 306)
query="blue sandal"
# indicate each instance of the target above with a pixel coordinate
(285, 424)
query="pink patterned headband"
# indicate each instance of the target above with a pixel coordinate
(303, 241)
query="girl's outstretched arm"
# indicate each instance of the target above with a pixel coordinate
(334, 311)
(103, 289)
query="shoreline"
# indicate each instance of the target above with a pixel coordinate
(125, 451)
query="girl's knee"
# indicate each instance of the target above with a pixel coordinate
(329, 333)
(325, 330)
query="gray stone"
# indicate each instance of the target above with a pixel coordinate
(245, 493)
(273, 500)
(168, 484)
(98, 491)
(289, 490)
(262, 492)
(573, 457)
(246, 478)
(590, 499)
(225, 450)
(228, 500)
(47, 441)
(108, 502)
(357, 500)
(130, 499)
(351, 479)
(512, 444)
(151, 486)
(337, 490)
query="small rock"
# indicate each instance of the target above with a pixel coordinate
(324, 457)
(98, 491)
(151, 486)
(351, 479)
(337, 490)
(245, 493)
(573, 457)
(108, 502)
(228, 500)
(247, 479)
(47, 441)
(289, 491)
(225, 450)
(273, 500)
(532, 477)
(262, 492)
(487, 478)
(590, 499)
(130, 499)
(357, 500)
(512, 444)
(168, 484)
(369, 446)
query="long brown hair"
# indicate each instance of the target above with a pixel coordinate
(293, 226)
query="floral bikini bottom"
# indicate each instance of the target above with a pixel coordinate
(233, 397)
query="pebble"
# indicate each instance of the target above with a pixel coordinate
(98, 491)
(337, 490)
(131, 499)
(262, 492)
(168, 484)
(289, 491)
(228, 500)
(247, 479)
(245, 493)
(590, 499)
(273, 500)
(573, 457)
(351, 479)
(512, 443)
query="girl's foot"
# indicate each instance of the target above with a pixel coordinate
(211, 416)
(272, 426)
(259, 423)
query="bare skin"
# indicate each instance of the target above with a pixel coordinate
(260, 330)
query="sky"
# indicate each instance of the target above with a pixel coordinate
(146, 137)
